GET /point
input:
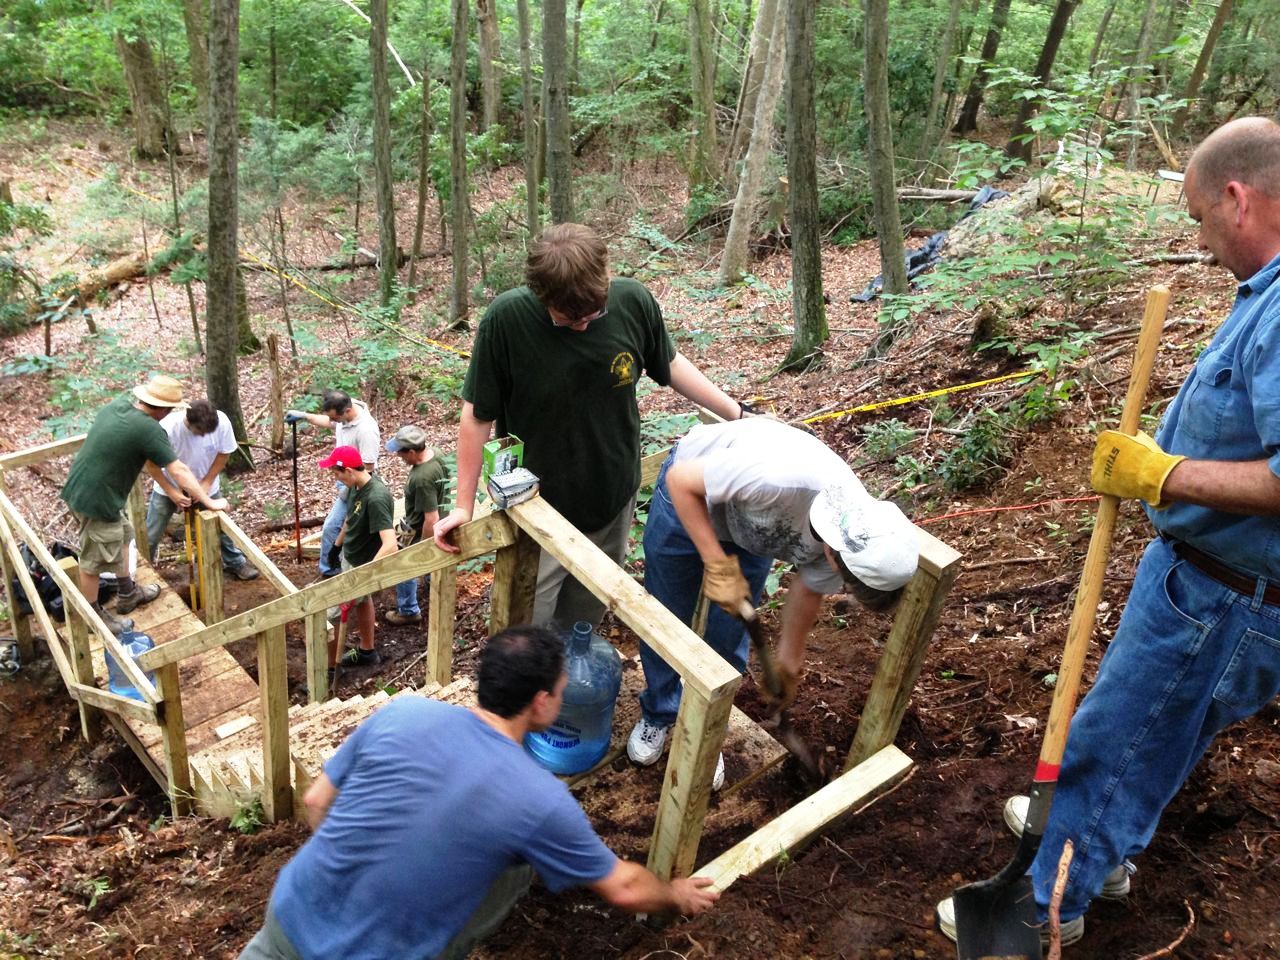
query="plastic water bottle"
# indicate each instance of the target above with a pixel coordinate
(135, 644)
(581, 734)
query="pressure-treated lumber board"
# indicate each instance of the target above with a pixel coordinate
(20, 623)
(273, 684)
(134, 710)
(174, 731)
(442, 607)
(81, 657)
(316, 632)
(208, 530)
(873, 776)
(53, 639)
(136, 508)
(515, 580)
(259, 560)
(45, 451)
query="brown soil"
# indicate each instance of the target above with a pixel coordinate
(92, 869)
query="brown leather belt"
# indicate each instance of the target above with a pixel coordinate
(1239, 582)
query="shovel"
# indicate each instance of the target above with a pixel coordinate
(997, 917)
(297, 521)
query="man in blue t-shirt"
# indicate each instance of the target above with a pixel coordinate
(430, 820)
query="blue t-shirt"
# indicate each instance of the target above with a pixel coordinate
(1229, 409)
(433, 804)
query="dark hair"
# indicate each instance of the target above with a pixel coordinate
(336, 401)
(202, 417)
(515, 665)
(873, 598)
(568, 269)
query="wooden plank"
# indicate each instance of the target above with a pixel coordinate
(260, 561)
(127, 734)
(42, 452)
(442, 606)
(701, 668)
(19, 623)
(515, 580)
(136, 507)
(216, 688)
(53, 639)
(77, 635)
(209, 554)
(174, 733)
(873, 776)
(477, 538)
(273, 684)
(936, 557)
(651, 465)
(126, 707)
(696, 740)
(229, 729)
(317, 640)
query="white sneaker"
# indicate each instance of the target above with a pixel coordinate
(945, 913)
(1114, 887)
(644, 746)
(718, 780)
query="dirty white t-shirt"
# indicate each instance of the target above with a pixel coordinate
(761, 477)
(198, 452)
(361, 433)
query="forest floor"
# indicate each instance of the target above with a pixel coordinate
(90, 866)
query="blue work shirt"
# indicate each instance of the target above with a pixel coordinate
(1229, 409)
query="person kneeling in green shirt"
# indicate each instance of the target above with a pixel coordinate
(367, 534)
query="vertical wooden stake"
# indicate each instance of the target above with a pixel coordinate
(273, 689)
(77, 632)
(18, 622)
(210, 556)
(275, 401)
(515, 577)
(442, 605)
(317, 629)
(137, 509)
(173, 733)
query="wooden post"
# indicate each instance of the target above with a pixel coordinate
(210, 555)
(515, 576)
(137, 508)
(275, 399)
(899, 666)
(273, 688)
(81, 660)
(173, 732)
(696, 741)
(18, 622)
(442, 605)
(317, 628)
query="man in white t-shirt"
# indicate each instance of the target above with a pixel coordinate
(731, 499)
(353, 426)
(203, 439)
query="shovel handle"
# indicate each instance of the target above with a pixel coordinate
(755, 630)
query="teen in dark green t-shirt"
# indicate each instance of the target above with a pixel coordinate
(425, 491)
(370, 510)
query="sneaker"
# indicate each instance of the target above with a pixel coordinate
(116, 625)
(245, 571)
(139, 595)
(355, 657)
(945, 913)
(644, 746)
(402, 619)
(718, 780)
(1114, 887)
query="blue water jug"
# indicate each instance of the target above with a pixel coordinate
(135, 644)
(580, 736)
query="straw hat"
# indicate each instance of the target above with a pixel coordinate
(160, 391)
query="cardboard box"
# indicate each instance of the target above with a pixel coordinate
(501, 455)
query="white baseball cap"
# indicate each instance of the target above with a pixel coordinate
(876, 541)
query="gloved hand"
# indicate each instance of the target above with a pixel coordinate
(293, 416)
(723, 583)
(790, 681)
(1126, 466)
(333, 559)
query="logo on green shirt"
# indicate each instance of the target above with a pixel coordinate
(624, 368)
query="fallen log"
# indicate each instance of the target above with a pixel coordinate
(124, 268)
(940, 196)
(275, 526)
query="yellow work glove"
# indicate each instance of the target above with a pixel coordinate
(724, 584)
(790, 681)
(1126, 466)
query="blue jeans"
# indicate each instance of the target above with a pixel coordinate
(1190, 657)
(407, 598)
(332, 527)
(673, 575)
(160, 510)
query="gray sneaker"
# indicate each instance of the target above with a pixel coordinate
(1116, 885)
(125, 602)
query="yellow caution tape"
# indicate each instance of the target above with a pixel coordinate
(927, 395)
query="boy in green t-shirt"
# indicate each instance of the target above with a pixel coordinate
(425, 500)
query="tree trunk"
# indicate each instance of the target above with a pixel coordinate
(884, 199)
(424, 169)
(1202, 64)
(458, 205)
(733, 261)
(490, 82)
(933, 127)
(1101, 35)
(152, 135)
(528, 108)
(195, 15)
(388, 252)
(577, 37)
(1018, 146)
(702, 75)
(968, 120)
(246, 340)
(1141, 59)
(555, 108)
(221, 377)
(1178, 10)
(809, 315)
(745, 119)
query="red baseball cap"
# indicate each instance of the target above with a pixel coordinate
(343, 457)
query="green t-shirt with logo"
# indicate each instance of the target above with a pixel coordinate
(424, 491)
(571, 396)
(120, 442)
(370, 510)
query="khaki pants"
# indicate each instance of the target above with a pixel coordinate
(104, 544)
(562, 600)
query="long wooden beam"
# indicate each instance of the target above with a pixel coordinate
(260, 561)
(45, 451)
(113, 703)
(475, 538)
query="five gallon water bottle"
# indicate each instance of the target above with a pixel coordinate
(580, 736)
(135, 644)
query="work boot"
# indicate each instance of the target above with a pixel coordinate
(140, 594)
(644, 746)
(116, 625)
(945, 913)
(243, 571)
(1114, 887)
(355, 657)
(402, 619)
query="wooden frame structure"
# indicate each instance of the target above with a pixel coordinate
(516, 537)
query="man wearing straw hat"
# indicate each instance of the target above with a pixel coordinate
(126, 436)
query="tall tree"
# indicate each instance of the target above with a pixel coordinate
(808, 309)
(555, 110)
(1139, 73)
(702, 73)
(388, 252)
(1101, 35)
(744, 117)
(884, 197)
(221, 334)
(490, 63)
(195, 17)
(1018, 147)
(424, 173)
(1202, 64)
(532, 158)
(152, 135)
(968, 119)
(933, 124)
(459, 206)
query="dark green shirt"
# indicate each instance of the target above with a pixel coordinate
(424, 491)
(570, 396)
(370, 510)
(121, 440)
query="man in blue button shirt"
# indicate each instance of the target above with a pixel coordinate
(1198, 646)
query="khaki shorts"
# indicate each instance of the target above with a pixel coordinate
(104, 544)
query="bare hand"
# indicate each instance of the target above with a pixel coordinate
(181, 500)
(218, 503)
(693, 896)
(790, 680)
(445, 527)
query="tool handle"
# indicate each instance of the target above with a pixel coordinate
(755, 630)
(297, 517)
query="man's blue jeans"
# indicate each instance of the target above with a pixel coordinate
(332, 527)
(407, 598)
(160, 510)
(673, 574)
(1189, 657)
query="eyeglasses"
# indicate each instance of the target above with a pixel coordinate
(580, 321)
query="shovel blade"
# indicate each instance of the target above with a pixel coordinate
(996, 920)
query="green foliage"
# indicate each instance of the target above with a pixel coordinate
(982, 453)
(94, 889)
(249, 818)
(21, 225)
(884, 438)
